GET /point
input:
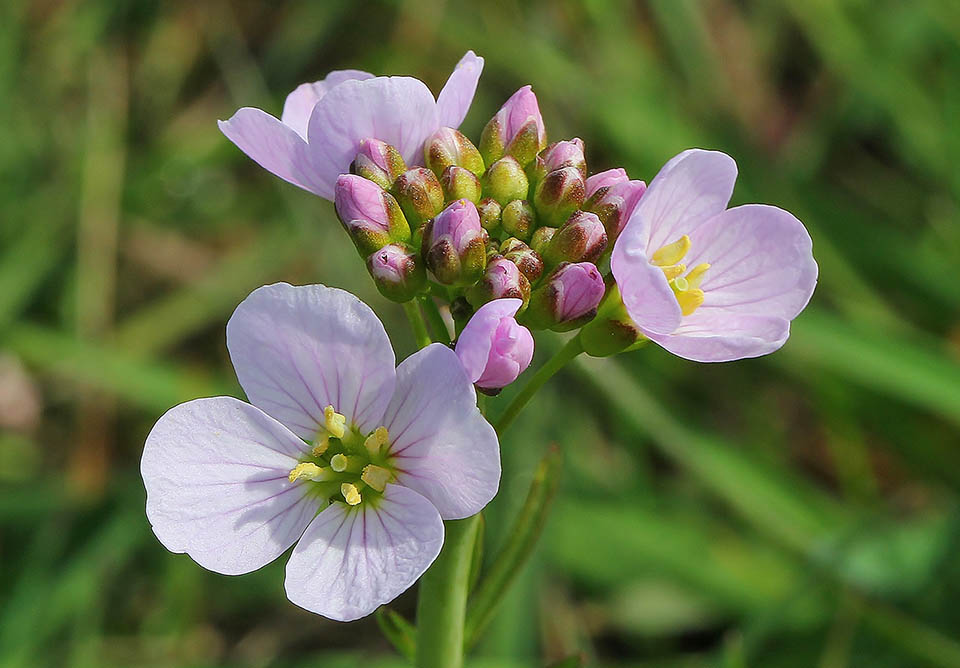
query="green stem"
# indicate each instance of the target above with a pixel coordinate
(442, 603)
(417, 323)
(573, 348)
(437, 325)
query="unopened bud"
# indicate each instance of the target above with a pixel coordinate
(449, 147)
(419, 193)
(460, 183)
(501, 279)
(528, 261)
(613, 197)
(397, 271)
(371, 215)
(612, 330)
(490, 213)
(518, 219)
(516, 130)
(379, 162)
(560, 193)
(453, 244)
(541, 238)
(567, 299)
(581, 239)
(505, 181)
(494, 348)
(559, 155)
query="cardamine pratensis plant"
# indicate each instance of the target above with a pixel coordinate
(377, 473)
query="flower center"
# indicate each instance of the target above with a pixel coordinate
(686, 288)
(345, 465)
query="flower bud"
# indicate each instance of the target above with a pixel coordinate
(541, 238)
(397, 271)
(505, 181)
(518, 219)
(419, 193)
(453, 244)
(559, 155)
(449, 147)
(560, 193)
(490, 212)
(567, 299)
(460, 183)
(516, 130)
(371, 215)
(612, 331)
(528, 261)
(379, 162)
(493, 347)
(581, 239)
(613, 200)
(502, 279)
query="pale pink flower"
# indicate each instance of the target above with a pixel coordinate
(493, 347)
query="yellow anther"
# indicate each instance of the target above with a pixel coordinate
(671, 253)
(690, 300)
(321, 445)
(695, 277)
(334, 422)
(379, 438)
(338, 462)
(376, 476)
(674, 270)
(350, 493)
(308, 471)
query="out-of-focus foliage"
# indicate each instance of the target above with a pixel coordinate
(799, 510)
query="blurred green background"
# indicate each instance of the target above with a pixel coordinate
(797, 510)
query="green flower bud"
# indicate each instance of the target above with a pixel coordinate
(559, 194)
(518, 219)
(505, 181)
(528, 261)
(581, 239)
(449, 147)
(490, 213)
(460, 183)
(397, 272)
(612, 330)
(541, 238)
(420, 195)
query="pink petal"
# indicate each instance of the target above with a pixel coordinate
(397, 110)
(352, 560)
(297, 350)
(441, 444)
(643, 287)
(713, 336)
(688, 190)
(277, 148)
(476, 339)
(604, 179)
(217, 489)
(299, 103)
(457, 94)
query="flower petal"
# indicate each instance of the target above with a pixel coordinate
(216, 477)
(715, 336)
(457, 94)
(275, 147)
(442, 446)
(297, 350)
(644, 289)
(761, 262)
(300, 103)
(688, 190)
(352, 560)
(476, 339)
(397, 110)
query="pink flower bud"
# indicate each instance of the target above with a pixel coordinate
(378, 161)
(517, 130)
(581, 239)
(493, 347)
(502, 279)
(560, 193)
(397, 272)
(604, 179)
(453, 244)
(567, 299)
(370, 214)
(613, 198)
(563, 154)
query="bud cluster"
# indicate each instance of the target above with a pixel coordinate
(511, 217)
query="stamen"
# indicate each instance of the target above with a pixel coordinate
(309, 471)
(376, 476)
(341, 462)
(334, 422)
(690, 300)
(375, 441)
(674, 270)
(320, 445)
(695, 277)
(350, 493)
(671, 253)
